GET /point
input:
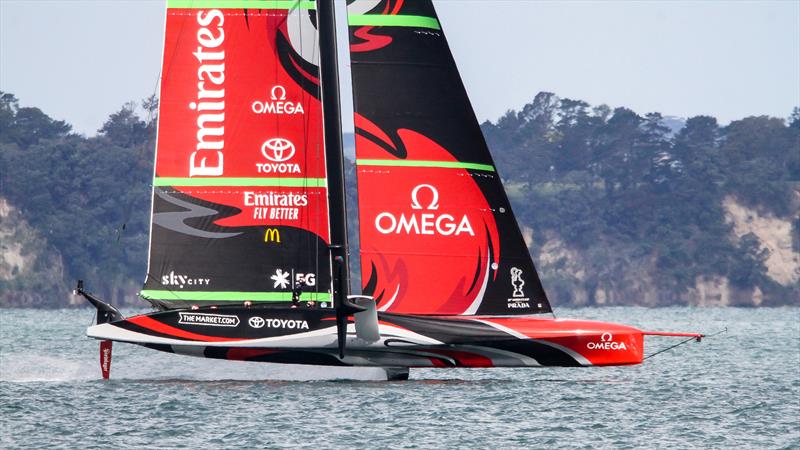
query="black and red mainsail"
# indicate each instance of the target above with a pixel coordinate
(240, 204)
(437, 232)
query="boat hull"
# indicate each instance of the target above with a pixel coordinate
(308, 336)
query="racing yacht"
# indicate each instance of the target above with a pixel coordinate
(248, 254)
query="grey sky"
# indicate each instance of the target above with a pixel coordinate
(81, 60)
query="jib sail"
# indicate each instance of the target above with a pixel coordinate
(240, 207)
(437, 232)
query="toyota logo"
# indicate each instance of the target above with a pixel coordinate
(256, 322)
(278, 150)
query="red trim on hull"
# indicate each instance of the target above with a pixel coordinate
(464, 359)
(154, 325)
(598, 343)
(243, 354)
(438, 363)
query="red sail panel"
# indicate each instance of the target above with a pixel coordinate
(428, 230)
(437, 232)
(240, 190)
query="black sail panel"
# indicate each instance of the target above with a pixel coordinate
(437, 232)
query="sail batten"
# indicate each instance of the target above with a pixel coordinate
(242, 4)
(438, 235)
(207, 296)
(421, 163)
(242, 182)
(379, 20)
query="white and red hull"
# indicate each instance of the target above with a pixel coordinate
(308, 336)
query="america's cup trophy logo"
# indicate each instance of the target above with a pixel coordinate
(517, 282)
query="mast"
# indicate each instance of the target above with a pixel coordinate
(332, 126)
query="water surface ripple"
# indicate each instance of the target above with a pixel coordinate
(740, 389)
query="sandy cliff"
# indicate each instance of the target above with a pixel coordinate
(611, 275)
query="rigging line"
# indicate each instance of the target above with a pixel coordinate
(152, 114)
(294, 259)
(157, 280)
(149, 276)
(149, 120)
(281, 21)
(669, 348)
(309, 156)
(306, 98)
(725, 330)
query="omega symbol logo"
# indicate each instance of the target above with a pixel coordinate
(256, 322)
(278, 92)
(433, 205)
(606, 337)
(421, 221)
(278, 149)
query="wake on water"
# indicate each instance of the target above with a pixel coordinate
(54, 350)
(29, 368)
(738, 389)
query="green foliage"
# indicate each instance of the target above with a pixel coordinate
(25, 126)
(89, 198)
(614, 185)
(613, 179)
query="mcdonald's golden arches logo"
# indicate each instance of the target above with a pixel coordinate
(272, 235)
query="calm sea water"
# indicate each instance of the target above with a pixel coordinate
(739, 389)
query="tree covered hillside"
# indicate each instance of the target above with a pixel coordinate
(76, 207)
(624, 210)
(618, 208)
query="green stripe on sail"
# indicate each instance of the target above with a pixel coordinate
(421, 163)
(380, 20)
(245, 182)
(242, 4)
(209, 296)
